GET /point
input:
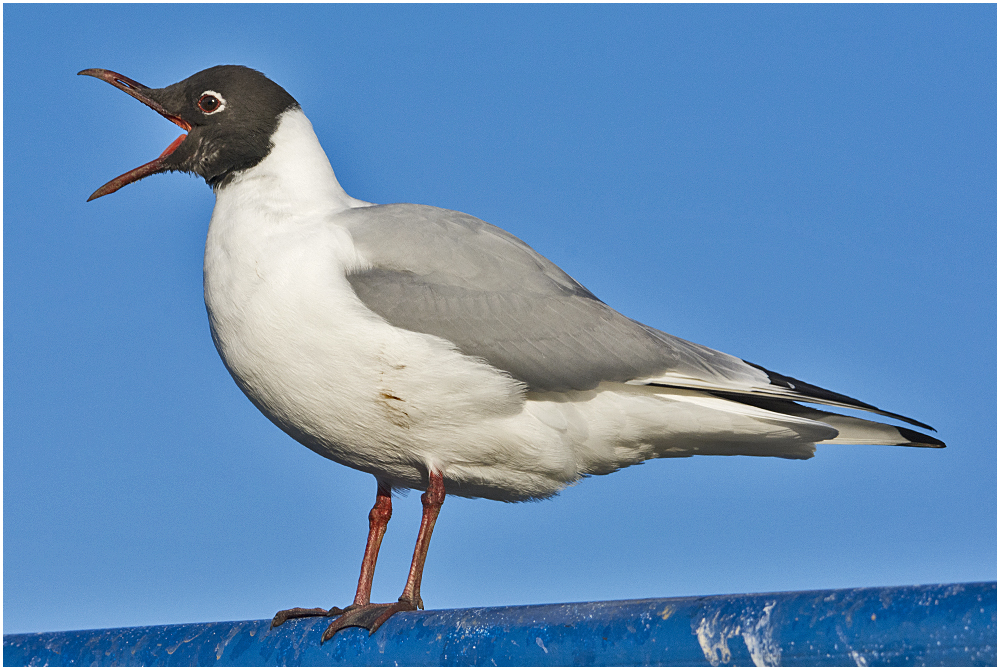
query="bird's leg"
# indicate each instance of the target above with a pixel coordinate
(432, 500)
(378, 519)
(372, 616)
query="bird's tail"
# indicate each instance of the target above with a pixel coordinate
(851, 430)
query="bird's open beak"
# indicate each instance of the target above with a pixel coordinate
(139, 92)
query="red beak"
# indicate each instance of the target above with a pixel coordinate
(137, 91)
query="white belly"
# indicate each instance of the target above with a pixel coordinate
(352, 388)
(397, 404)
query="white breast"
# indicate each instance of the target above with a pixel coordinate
(314, 359)
(395, 403)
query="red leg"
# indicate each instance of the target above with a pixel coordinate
(372, 616)
(378, 519)
(432, 500)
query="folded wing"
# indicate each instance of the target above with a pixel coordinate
(452, 275)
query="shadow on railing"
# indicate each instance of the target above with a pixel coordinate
(951, 624)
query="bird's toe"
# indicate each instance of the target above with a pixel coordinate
(302, 612)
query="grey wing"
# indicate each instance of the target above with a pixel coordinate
(452, 275)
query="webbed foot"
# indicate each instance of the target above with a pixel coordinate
(370, 617)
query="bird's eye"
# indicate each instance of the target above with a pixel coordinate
(208, 103)
(211, 102)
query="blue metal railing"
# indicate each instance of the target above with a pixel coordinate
(952, 624)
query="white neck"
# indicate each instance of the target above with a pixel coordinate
(296, 177)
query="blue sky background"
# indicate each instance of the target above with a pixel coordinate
(812, 188)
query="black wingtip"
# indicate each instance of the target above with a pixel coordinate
(919, 439)
(820, 394)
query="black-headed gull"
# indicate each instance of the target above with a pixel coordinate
(434, 350)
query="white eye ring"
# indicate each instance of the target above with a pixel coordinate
(205, 102)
